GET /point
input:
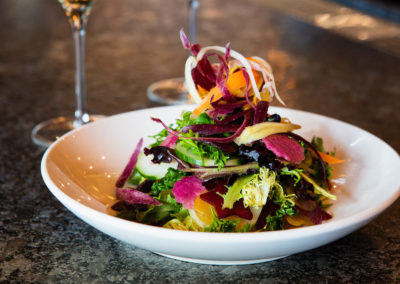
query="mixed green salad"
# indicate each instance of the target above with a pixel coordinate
(229, 165)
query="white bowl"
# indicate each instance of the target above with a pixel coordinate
(81, 168)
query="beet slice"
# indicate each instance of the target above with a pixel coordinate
(239, 131)
(211, 129)
(261, 112)
(245, 123)
(225, 108)
(235, 116)
(216, 200)
(285, 147)
(317, 215)
(269, 209)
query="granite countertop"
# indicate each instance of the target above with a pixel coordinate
(131, 44)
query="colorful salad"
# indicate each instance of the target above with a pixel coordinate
(229, 165)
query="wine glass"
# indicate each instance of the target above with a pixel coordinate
(173, 91)
(48, 131)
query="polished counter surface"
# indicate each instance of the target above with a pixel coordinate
(130, 44)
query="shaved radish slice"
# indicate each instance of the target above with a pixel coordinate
(190, 64)
(269, 82)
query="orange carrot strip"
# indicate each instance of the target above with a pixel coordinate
(236, 80)
(329, 159)
(205, 104)
(202, 92)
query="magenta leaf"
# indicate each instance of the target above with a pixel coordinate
(285, 147)
(130, 166)
(187, 189)
(133, 196)
(261, 112)
(210, 129)
(169, 141)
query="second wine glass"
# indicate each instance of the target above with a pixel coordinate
(48, 131)
(173, 91)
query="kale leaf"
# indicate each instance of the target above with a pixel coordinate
(221, 225)
(167, 182)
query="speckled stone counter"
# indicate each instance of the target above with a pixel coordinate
(131, 44)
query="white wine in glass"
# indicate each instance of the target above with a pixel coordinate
(173, 91)
(48, 131)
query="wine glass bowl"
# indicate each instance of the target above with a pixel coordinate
(169, 92)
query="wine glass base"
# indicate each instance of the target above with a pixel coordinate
(46, 132)
(168, 92)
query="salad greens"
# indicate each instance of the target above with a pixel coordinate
(228, 165)
(167, 182)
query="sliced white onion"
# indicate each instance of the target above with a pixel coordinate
(190, 64)
(269, 81)
(238, 57)
(263, 63)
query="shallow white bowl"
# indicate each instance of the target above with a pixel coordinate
(80, 169)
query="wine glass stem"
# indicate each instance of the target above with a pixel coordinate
(193, 8)
(78, 30)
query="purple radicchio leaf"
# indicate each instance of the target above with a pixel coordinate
(261, 112)
(130, 166)
(235, 116)
(224, 108)
(194, 48)
(246, 122)
(133, 196)
(207, 72)
(169, 141)
(227, 51)
(211, 129)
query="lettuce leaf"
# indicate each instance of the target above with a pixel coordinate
(295, 174)
(221, 225)
(188, 224)
(286, 203)
(235, 191)
(159, 215)
(254, 189)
